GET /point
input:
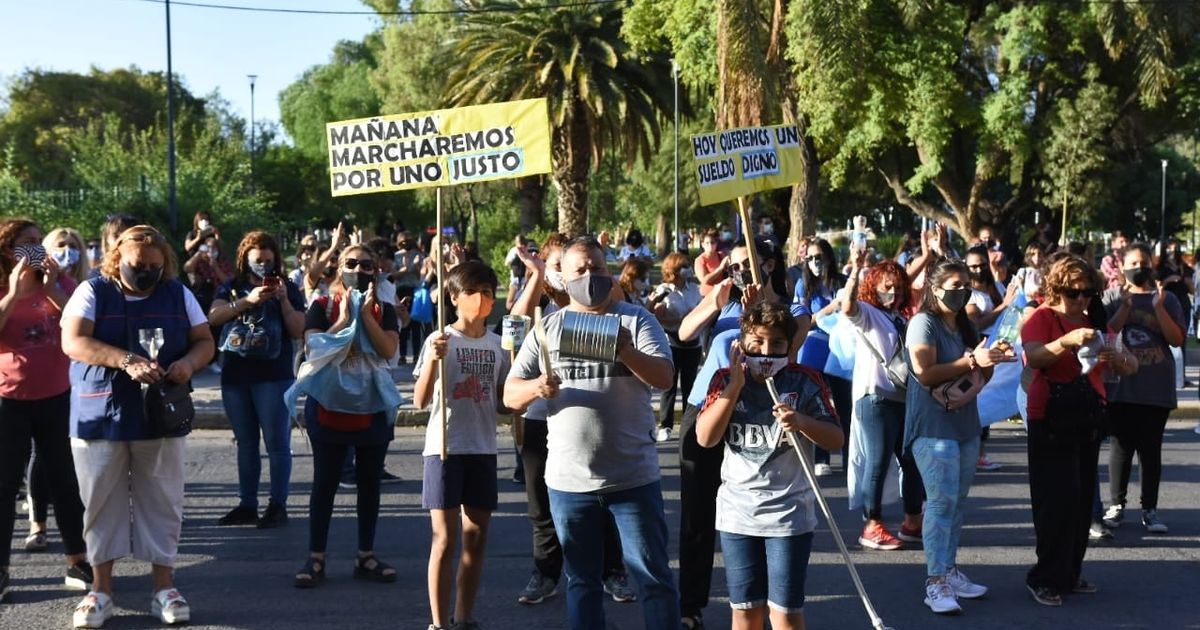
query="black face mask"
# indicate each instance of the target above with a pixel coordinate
(742, 279)
(357, 280)
(1139, 276)
(955, 299)
(139, 278)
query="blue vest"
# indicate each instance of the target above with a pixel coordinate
(106, 404)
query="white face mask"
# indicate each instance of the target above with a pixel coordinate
(816, 266)
(204, 224)
(555, 280)
(886, 298)
(766, 365)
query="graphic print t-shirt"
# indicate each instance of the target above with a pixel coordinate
(763, 489)
(475, 368)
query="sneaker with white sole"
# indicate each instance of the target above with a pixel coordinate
(963, 586)
(79, 576)
(617, 586)
(822, 470)
(539, 589)
(663, 434)
(1099, 531)
(92, 611)
(1152, 523)
(1114, 515)
(939, 597)
(876, 536)
(170, 607)
(987, 465)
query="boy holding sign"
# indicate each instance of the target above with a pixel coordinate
(460, 491)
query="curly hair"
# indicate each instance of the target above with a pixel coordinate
(771, 315)
(1066, 271)
(50, 242)
(875, 275)
(140, 236)
(10, 231)
(257, 239)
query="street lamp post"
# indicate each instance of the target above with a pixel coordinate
(172, 211)
(675, 79)
(252, 78)
(1162, 228)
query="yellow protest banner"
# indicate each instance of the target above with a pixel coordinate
(477, 143)
(738, 162)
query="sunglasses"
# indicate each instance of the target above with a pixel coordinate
(813, 258)
(1074, 294)
(974, 266)
(365, 264)
(142, 237)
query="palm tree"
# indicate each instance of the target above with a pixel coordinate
(601, 97)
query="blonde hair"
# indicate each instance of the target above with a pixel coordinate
(141, 236)
(50, 243)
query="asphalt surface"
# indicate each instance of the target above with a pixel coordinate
(241, 577)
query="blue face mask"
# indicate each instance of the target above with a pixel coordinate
(66, 257)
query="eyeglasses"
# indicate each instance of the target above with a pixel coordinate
(1074, 294)
(365, 264)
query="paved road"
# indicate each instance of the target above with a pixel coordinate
(241, 577)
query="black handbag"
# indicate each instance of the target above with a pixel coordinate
(169, 408)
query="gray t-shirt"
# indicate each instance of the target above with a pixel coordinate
(600, 426)
(474, 370)
(1154, 382)
(763, 490)
(924, 417)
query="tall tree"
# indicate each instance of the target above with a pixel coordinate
(951, 102)
(601, 97)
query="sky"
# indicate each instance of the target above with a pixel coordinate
(212, 50)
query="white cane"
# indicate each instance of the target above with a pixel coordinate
(794, 438)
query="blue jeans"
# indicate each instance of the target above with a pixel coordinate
(947, 468)
(882, 422)
(579, 519)
(253, 409)
(762, 571)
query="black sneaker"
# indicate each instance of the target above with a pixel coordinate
(387, 477)
(274, 516)
(240, 515)
(350, 483)
(79, 576)
(518, 476)
(1045, 595)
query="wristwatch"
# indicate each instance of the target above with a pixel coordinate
(974, 363)
(127, 360)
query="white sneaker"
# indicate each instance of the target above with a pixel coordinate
(963, 586)
(822, 470)
(663, 435)
(939, 597)
(92, 611)
(1197, 429)
(1114, 515)
(170, 607)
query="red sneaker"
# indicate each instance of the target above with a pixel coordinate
(910, 535)
(878, 537)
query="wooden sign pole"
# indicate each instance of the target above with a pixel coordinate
(441, 322)
(748, 235)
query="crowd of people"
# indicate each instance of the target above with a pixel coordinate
(897, 363)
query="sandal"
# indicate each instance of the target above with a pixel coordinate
(36, 541)
(311, 575)
(170, 607)
(368, 568)
(92, 611)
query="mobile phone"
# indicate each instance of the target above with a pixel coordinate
(272, 282)
(33, 255)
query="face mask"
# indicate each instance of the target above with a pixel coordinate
(357, 280)
(886, 298)
(639, 286)
(204, 224)
(140, 279)
(766, 365)
(768, 228)
(94, 254)
(976, 276)
(590, 289)
(727, 236)
(817, 267)
(329, 271)
(955, 299)
(214, 253)
(742, 279)
(688, 275)
(1139, 276)
(262, 269)
(67, 257)
(554, 278)
(474, 306)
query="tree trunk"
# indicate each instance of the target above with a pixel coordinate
(572, 154)
(802, 209)
(742, 90)
(660, 235)
(531, 197)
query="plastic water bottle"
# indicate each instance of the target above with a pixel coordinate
(1008, 327)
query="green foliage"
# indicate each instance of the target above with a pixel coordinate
(1076, 151)
(338, 90)
(414, 60)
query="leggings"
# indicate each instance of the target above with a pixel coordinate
(39, 491)
(46, 423)
(1136, 429)
(327, 471)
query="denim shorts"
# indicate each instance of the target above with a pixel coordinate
(770, 571)
(468, 480)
